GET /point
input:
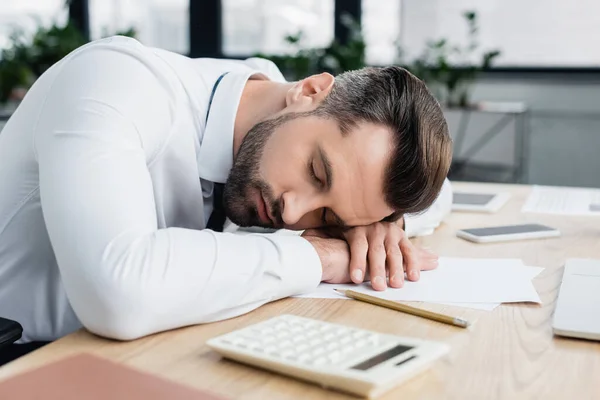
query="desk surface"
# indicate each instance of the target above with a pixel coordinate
(509, 353)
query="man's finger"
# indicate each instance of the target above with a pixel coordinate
(412, 261)
(358, 256)
(376, 258)
(394, 262)
(428, 259)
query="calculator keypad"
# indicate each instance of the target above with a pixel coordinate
(307, 342)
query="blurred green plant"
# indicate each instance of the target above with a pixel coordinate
(448, 69)
(335, 58)
(27, 57)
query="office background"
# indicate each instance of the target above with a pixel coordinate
(547, 65)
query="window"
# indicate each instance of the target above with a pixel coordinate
(28, 15)
(546, 33)
(381, 29)
(158, 23)
(252, 26)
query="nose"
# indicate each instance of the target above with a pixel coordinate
(294, 207)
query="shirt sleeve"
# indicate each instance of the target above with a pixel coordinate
(425, 223)
(105, 117)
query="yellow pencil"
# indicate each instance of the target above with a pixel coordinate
(447, 319)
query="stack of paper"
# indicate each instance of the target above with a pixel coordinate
(466, 282)
(563, 201)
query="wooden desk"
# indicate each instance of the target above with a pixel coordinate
(509, 353)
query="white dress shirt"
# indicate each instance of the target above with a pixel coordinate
(106, 179)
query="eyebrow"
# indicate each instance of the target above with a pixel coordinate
(327, 166)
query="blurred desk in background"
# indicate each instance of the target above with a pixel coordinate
(464, 168)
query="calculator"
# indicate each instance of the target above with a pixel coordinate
(357, 361)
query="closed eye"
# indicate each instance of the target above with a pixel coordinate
(313, 174)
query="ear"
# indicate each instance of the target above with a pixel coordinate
(309, 92)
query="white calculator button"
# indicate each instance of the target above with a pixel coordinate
(297, 339)
(282, 334)
(373, 339)
(269, 339)
(345, 339)
(303, 357)
(255, 345)
(334, 357)
(302, 347)
(332, 346)
(271, 350)
(312, 333)
(319, 361)
(324, 328)
(266, 330)
(286, 343)
(360, 343)
(359, 334)
(281, 325)
(318, 351)
(349, 348)
(314, 341)
(288, 352)
(329, 336)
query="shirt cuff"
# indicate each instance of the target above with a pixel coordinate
(302, 270)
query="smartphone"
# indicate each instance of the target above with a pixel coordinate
(10, 331)
(507, 233)
(479, 202)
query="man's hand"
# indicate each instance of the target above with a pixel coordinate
(386, 250)
(334, 255)
(382, 247)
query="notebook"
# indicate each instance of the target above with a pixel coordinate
(88, 377)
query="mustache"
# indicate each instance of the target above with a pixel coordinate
(272, 203)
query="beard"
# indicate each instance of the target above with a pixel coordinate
(244, 178)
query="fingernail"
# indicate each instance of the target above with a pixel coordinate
(357, 275)
(379, 281)
(414, 275)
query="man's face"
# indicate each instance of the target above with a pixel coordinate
(298, 171)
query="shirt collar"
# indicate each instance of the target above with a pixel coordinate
(215, 157)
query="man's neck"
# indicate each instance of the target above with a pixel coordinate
(261, 99)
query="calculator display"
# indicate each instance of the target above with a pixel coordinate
(381, 357)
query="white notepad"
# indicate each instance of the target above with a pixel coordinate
(457, 280)
(563, 201)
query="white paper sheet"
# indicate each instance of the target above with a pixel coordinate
(532, 272)
(563, 201)
(457, 280)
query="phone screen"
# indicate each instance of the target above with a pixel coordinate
(508, 230)
(472, 199)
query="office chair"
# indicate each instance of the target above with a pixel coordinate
(10, 332)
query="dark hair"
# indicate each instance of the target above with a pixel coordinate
(395, 98)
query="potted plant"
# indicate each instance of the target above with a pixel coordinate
(27, 57)
(448, 69)
(335, 58)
